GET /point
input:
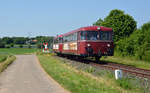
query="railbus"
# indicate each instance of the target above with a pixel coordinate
(91, 41)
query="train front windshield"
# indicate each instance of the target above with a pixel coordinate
(96, 35)
(105, 35)
(89, 35)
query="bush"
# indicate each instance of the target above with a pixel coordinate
(2, 45)
(39, 45)
(8, 46)
(21, 46)
(29, 46)
(12, 45)
(138, 44)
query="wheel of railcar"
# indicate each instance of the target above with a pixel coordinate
(57, 54)
(97, 59)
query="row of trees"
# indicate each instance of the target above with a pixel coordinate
(11, 41)
(15, 40)
(129, 41)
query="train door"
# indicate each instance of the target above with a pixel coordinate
(60, 44)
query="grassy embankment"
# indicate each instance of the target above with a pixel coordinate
(5, 61)
(3, 58)
(127, 61)
(15, 51)
(79, 81)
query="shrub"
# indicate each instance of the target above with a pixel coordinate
(11, 45)
(21, 46)
(138, 44)
(29, 46)
(2, 45)
(8, 46)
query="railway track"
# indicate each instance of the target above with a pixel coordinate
(113, 66)
(126, 69)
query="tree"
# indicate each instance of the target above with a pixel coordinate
(20, 40)
(2, 44)
(7, 40)
(44, 39)
(137, 44)
(98, 22)
(123, 24)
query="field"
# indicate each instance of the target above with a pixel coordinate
(82, 81)
(15, 51)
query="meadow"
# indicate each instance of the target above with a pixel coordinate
(16, 51)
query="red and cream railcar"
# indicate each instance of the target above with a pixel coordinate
(91, 41)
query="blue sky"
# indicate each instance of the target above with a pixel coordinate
(52, 17)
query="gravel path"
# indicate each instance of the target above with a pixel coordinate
(26, 76)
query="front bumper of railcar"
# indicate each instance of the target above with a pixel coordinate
(100, 49)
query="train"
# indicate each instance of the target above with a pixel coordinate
(89, 41)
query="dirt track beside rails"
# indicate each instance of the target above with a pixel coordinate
(26, 76)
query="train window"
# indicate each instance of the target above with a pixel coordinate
(71, 37)
(107, 35)
(83, 35)
(65, 39)
(89, 35)
(92, 35)
(68, 38)
(74, 37)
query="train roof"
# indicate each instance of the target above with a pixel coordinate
(58, 36)
(88, 28)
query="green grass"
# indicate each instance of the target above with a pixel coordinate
(78, 81)
(17, 50)
(124, 83)
(7, 62)
(127, 61)
(3, 58)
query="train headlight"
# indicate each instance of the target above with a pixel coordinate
(88, 45)
(108, 45)
(98, 28)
